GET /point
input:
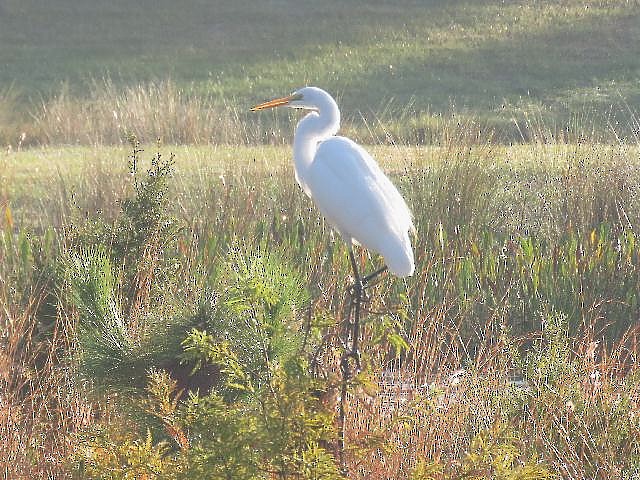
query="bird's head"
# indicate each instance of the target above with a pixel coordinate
(307, 98)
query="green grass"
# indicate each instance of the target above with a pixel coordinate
(527, 254)
(527, 265)
(418, 59)
(530, 180)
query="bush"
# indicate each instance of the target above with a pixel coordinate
(253, 413)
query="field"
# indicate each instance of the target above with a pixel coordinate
(66, 69)
(173, 306)
(527, 271)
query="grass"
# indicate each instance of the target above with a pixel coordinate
(527, 267)
(530, 178)
(415, 61)
(128, 303)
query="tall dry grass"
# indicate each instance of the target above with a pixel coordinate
(429, 407)
(157, 110)
(11, 121)
(108, 114)
(40, 408)
(40, 405)
(502, 240)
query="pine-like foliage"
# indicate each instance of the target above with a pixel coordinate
(104, 345)
(119, 276)
(219, 391)
(257, 310)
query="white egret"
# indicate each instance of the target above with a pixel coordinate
(349, 189)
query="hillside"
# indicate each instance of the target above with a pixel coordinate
(491, 60)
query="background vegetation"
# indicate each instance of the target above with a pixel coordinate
(407, 63)
(175, 311)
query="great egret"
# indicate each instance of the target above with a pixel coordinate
(349, 189)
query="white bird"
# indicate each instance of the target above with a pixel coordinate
(346, 183)
(348, 187)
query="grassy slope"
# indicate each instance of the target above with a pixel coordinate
(489, 59)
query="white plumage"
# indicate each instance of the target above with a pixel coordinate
(362, 205)
(346, 183)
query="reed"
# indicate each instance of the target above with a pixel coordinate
(520, 319)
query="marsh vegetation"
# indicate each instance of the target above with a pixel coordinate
(173, 308)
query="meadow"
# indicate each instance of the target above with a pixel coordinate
(82, 72)
(173, 306)
(513, 349)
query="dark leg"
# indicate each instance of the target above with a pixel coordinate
(358, 290)
(346, 375)
(352, 350)
(371, 276)
(354, 265)
(359, 296)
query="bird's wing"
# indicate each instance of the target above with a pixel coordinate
(355, 195)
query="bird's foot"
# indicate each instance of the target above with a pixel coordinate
(360, 287)
(345, 363)
(358, 291)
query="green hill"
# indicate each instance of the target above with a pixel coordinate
(489, 59)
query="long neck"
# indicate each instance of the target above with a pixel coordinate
(312, 129)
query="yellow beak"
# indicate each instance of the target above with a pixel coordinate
(273, 103)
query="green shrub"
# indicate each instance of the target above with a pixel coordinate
(497, 453)
(254, 411)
